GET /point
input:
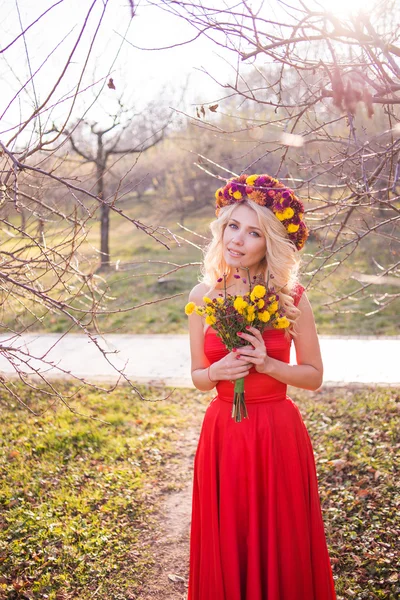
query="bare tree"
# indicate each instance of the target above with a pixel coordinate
(323, 91)
(121, 137)
(46, 207)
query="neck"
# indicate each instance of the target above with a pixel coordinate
(241, 286)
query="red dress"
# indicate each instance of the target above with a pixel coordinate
(257, 531)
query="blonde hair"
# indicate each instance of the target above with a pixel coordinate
(282, 259)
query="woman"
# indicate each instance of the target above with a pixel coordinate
(257, 531)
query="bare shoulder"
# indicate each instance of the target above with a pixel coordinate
(198, 292)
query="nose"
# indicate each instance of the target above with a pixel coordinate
(237, 238)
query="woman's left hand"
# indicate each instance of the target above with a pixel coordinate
(257, 352)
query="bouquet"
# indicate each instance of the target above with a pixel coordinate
(229, 314)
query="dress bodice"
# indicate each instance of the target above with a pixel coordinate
(257, 386)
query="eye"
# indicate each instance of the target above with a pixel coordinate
(257, 234)
(232, 225)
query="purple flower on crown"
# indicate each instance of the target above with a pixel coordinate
(227, 195)
(269, 202)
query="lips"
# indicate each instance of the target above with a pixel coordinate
(235, 253)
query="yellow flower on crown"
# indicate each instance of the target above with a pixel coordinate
(292, 228)
(258, 291)
(237, 195)
(251, 179)
(189, 308)
(282, 215)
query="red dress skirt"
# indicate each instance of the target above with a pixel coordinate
(257, 531)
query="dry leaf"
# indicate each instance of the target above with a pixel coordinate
(339, 463)
(175, 578)
(213, 107)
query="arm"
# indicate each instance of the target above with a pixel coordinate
(205, 376)
(308, 372)
(201, 375)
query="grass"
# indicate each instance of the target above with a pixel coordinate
(78, 497)
(136, 282)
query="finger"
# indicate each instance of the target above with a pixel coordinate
(251, 338)
(253, 330)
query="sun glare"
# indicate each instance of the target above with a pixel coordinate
(348, 7)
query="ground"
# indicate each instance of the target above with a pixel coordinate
(169, 577)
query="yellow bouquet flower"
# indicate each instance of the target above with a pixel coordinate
(230, 314)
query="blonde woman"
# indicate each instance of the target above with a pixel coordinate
(257, 531)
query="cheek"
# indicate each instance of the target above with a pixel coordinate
(260, 247)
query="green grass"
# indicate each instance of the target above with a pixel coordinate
(78, 497)
(359, 494)
(135, 283)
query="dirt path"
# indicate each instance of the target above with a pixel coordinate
(169, 579)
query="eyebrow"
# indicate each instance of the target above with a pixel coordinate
(250, 226)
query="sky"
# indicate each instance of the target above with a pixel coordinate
(140, 76)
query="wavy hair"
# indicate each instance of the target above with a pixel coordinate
(282, 259)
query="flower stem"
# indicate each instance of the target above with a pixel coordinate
(239, 405)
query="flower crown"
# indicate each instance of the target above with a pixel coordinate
(267, 191)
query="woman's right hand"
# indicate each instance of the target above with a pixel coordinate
(230, 368)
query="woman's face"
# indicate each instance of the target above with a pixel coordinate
(243, 241)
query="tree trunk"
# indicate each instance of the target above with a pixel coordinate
(104, 208)
(104, 235)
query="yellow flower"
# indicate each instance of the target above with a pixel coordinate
(209, 310)
(281, 323)
(250, 317)
(272, 308)
(240, 304)
(199, 310)
(260, 303)
(220, 300)
(251, 179)
(207, 300)
(264, 316)
(237, 195)
(292, 227)
(190, 307)
(217, 193)
(210, 320)
(258, 292)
